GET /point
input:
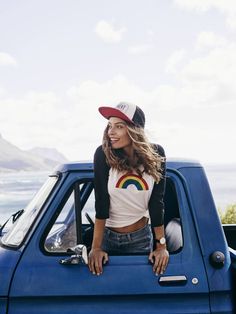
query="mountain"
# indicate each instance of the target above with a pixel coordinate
(50, 153)
(13, 158)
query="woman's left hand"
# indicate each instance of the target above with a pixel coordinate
(159, 258)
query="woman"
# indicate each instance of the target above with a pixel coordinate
(129, 188)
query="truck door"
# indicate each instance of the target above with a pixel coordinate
(128, 285)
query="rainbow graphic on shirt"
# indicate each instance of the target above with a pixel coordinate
(132, 179)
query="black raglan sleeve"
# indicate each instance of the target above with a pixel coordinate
(156, 202)
(101, 173)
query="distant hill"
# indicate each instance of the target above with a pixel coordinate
(50, 153)
(13, 158)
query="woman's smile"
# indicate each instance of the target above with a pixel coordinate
(114, 140)
(118, 135)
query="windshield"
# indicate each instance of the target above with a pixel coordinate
(17, 232)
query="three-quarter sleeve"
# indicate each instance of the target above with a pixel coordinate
(156, 202)
(101, 173)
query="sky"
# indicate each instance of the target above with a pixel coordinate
(176, 59)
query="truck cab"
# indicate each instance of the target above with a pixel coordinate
(43, 253)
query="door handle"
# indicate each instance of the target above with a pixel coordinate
(172, 280)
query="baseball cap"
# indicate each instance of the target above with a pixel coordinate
(125, 111)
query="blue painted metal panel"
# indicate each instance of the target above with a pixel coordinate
(3, 305)
(42, 285)
(211, 235)
(40, 281)
(8, 261)
(88, 165)
(151, 304)
(134, 276)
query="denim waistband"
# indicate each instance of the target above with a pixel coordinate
(113, 235)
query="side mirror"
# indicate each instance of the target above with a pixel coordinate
(80, 256)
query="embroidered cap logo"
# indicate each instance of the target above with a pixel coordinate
(123, 107)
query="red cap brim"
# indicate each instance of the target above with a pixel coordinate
(108, 112)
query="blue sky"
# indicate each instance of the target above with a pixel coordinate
(61, 60)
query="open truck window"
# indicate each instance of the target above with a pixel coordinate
(66, 230)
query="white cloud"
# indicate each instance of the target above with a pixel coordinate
(190, 119)
(107, 32)
(206, 40)
(231, 20)
(150, 33)
(109, 92)
(139, 49)
(227, 7)
(2, 91)
(6, 59)
(37, 119)
(214, 74)
(174, 60)
(204, 5)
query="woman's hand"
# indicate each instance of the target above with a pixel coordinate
(97, 258)
(159, 258)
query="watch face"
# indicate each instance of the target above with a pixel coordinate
(162, 240)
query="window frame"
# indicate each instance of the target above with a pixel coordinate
(79, 203)
(80, 199)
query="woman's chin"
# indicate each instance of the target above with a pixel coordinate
(115, 146)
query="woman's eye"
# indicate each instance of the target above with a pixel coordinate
(118, 126)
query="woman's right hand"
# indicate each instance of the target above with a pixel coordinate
(97, 258)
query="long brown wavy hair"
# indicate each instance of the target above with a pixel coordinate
(144, 154)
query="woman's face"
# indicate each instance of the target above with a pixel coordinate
(118, 135)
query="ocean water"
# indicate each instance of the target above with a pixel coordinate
(18, 188)
(222, 180)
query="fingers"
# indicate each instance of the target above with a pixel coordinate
(96, 260)
(91, 265)
(151, 258)
(105, 258)
(162, 266)
(157, 266)
(98, 266)
(160, 262)
(159, 259)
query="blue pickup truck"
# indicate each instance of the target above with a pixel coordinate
(43, 252)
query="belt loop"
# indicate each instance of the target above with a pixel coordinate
(129, 236)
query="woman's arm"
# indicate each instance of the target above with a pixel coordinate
(160, 256)
(101, 170)
(99, 227)
(156, 202)
(97, 257)
(159, 232)
(101, 173)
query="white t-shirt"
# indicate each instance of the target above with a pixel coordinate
(129, 196)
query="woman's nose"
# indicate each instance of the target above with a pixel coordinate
(111, 131)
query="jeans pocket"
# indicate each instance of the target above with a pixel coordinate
(143, 245)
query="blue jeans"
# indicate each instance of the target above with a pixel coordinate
(137, 242)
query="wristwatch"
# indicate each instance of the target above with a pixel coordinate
(161, 240)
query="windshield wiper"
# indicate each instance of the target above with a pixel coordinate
(14, 217)
(17, 215)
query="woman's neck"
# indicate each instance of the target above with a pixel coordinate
(129, 152)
